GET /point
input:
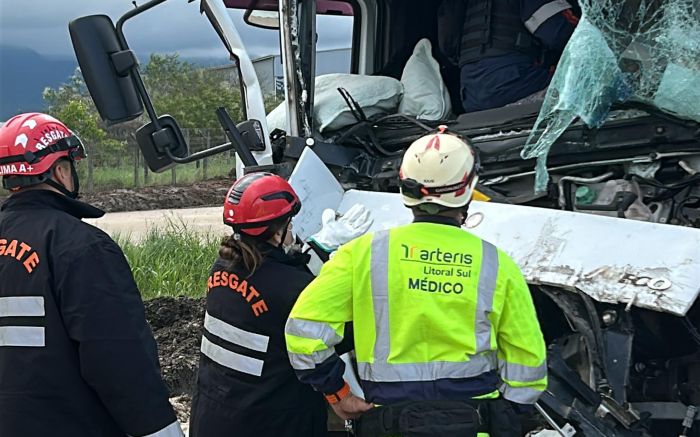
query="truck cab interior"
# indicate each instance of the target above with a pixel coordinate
(385, 33)
(365, 152)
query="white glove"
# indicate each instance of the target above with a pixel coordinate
(339, 230)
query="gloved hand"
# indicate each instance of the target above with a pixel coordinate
(337, 231)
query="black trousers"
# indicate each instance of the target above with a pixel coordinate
(441, 418)
(210, 418)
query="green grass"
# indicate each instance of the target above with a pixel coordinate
(171, 261)
(105, 178)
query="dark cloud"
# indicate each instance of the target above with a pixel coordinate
(175, 26)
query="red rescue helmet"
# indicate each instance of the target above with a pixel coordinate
(29, 146)
(258, 199)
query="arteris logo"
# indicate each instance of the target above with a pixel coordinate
(437, 256)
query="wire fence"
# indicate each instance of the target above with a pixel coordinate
(123, 166)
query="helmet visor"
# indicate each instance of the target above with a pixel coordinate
(72, 144)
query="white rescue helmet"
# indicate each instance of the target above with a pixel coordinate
(439, 168)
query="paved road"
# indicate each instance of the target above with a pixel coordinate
(137, 223)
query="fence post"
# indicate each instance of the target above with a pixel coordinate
(146, 174)
(173, 171)
(205, 164)
(136, 161)
(90, 171)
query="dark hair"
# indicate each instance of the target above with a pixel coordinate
(246, 251)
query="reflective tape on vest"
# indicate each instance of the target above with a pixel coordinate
(23, 336)
(313, 331)
(379, 276)
(429, 371)
(485, 291)
(520, 395)
(22, 306)
(309, 362)
(380, 370)
(232, 360)
(521, 373)
(544, 13)
(237, 336)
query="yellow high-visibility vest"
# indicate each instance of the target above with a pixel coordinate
(428, 302)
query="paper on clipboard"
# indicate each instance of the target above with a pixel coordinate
(317, 189)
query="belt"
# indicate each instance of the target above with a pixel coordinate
(424, 419)
(441, 418)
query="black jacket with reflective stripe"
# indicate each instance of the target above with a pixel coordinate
(245, 379)
(77, 357)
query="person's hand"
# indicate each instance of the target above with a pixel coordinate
(337, 231)
(351, 407)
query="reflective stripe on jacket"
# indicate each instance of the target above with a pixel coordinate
(244, 373)
(437, 313)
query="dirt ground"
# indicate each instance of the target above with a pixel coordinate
(204, 193)
(177, 327)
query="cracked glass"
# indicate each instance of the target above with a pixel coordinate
(646, 51)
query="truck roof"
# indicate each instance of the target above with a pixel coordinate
(324, 7)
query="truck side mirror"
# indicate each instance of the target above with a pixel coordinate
(106, 68)
(116, 86)
(161, 144)
(252, 134)
(263, 19)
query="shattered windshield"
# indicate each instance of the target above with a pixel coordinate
(633, 50)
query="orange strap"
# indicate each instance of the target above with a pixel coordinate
(338, 396)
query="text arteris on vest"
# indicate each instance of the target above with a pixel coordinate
(442, 269)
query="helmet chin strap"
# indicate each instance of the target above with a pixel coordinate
(284, 234)
(465, 212)
(62, 188)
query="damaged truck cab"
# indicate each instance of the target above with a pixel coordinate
(608, 291)
(594, 189)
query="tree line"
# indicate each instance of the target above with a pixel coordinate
(177, 87)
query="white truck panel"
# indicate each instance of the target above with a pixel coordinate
(253, 97)
(649, 265)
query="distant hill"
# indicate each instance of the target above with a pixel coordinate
(24, 74)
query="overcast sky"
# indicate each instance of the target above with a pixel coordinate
(175, 26)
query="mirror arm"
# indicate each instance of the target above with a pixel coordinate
(236, 142)
(199, 155)
(138, 80)
(161, 138)
(235, 137)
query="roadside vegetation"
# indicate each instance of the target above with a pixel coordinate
(171, 261)
(122, 176)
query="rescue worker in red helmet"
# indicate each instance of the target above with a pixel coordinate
(245, 384)
(77, 357)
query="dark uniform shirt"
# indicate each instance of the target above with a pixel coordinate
(77, 357)
(496, 81)
(245, 385)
